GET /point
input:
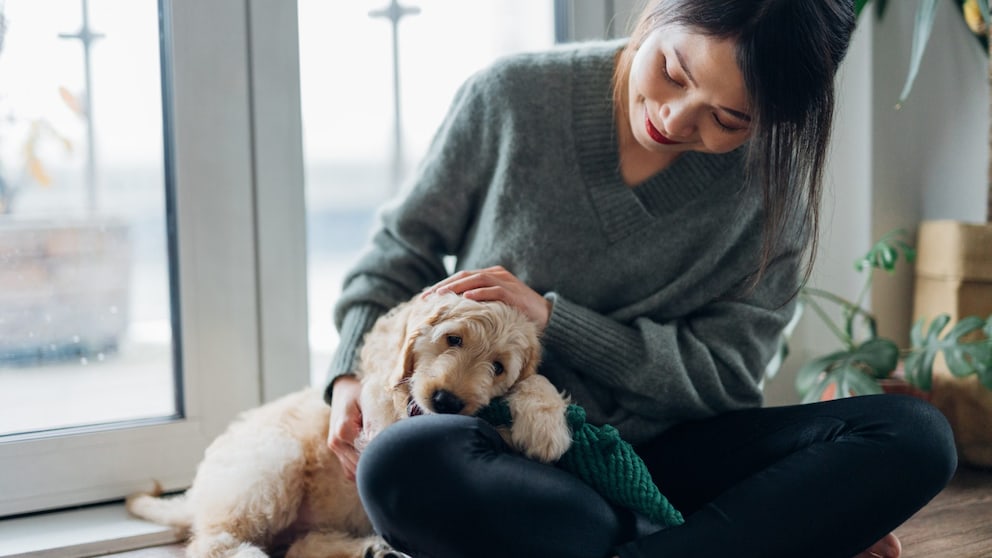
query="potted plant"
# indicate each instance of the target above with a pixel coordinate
(866, 363)
(954, 269)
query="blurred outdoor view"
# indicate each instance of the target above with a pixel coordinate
(85, 299)
(349, 131)
(85, 333)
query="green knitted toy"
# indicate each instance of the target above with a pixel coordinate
(603, 460)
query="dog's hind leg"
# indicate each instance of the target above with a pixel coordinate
(337, 544)
(245, 496)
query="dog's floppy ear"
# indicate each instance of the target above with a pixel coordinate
(531, 362)
(413, 332)
(408, 360)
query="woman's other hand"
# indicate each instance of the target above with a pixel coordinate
(497, 284)
(345, 423)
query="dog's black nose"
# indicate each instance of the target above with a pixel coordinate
(446, 403)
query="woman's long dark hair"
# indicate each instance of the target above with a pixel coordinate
(788, 52)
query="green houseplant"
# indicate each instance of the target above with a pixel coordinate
(953, 276)
(864, 360)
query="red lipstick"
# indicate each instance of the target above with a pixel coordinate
(654, 133)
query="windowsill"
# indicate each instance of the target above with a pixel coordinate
(77, 533)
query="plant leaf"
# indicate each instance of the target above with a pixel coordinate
(860, 384)
(849, 380)
(884, 254)
(880, 355)
(810, 373)
(964, 356)
(983, 6)
(816, 392)
(880, 7)
(925, 16)
(859, 5)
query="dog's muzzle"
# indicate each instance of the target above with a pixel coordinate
(446, 403)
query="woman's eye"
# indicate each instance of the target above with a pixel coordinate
(726, 127)
(497, 368)
(667, 74)
(454, 341)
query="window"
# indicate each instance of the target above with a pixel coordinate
(181, 181)
(84, 291)
(198, 154)
(363, 132)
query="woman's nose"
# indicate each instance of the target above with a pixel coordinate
(677, 119)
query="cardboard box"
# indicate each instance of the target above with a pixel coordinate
(953, 270)
(954, 276)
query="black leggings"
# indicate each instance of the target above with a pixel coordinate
(821, 480)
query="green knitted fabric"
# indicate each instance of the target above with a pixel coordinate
(603, 460)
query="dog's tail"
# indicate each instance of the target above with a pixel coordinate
(171, 511)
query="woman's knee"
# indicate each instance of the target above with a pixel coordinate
(419, 460)
(923, 438)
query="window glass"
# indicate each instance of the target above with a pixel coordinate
(358, 146)
(85, 297)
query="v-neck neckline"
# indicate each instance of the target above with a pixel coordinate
(622, 209)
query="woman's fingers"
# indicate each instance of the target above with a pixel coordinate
(496, 284)
(345, 423)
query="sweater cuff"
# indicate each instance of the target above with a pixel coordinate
(356, 323)
(570, 327)
(588, 341)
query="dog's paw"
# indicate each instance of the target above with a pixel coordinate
(544, 436)
(540, 430)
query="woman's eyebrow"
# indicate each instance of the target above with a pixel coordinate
(736, 113)
(685, 69)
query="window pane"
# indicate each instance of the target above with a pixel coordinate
(350, 133)
(85, 319)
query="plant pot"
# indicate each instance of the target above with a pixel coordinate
(902, 387)
(954, 276)
(64, 288)
(968, 407)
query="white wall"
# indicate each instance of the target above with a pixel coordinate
(845, 223)
(930, 156)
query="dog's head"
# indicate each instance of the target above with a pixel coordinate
(461, 353)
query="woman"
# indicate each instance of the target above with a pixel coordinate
(651, 205)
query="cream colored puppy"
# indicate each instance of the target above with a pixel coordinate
(270, 485)
(456, 356)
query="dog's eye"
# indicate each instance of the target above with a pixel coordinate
(497, 368)
(454, 341)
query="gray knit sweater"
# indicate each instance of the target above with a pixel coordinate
(652, 321)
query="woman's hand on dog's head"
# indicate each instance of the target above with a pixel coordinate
(345, 423)
(497, 284)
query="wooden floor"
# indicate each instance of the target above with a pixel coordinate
(956, 524)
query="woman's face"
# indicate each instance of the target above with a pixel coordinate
(686, 93)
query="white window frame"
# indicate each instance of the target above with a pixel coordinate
(237, 166)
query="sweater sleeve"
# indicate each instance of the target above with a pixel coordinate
(695, 366)
(406, 254)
